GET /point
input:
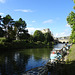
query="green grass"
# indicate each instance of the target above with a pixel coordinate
(71, 56)
(1, 39)
(69, 67)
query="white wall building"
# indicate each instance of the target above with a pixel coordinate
(46, 30)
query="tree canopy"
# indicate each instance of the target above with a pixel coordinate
(71, 22)
(48, 37)
(13, 29)
(20, 26)
(71, 19)
(38, 36)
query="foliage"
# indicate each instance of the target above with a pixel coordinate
(38, 36)
(74, 1)
(7, 19)
(16, 30)
(1, 32)
(31, 38)
(71, 19)
(20, 26)
(13, 29)
(74, 7)
(2, 39)
(48, 37)
(8, 24)
(71, 22)
(72, 35)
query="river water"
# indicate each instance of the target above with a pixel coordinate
(18, 62)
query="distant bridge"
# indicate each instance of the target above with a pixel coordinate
(63, 40)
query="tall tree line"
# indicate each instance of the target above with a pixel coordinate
(16, 30)
(43, 37)
(13, 29)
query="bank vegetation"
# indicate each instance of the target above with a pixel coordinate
(14, 35)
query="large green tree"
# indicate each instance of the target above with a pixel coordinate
(48, 37)
(21, 32)
(71, 19)
(71, 22)
(8, 25)
(38, 36)
(14, 29)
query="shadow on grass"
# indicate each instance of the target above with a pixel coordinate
(67, 69)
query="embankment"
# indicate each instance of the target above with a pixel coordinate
(69, 67)
(23, 45)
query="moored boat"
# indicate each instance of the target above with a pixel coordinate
(56, 55)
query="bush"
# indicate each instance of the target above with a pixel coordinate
(73, 41)
(2, 39)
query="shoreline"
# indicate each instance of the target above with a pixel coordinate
(23, 45)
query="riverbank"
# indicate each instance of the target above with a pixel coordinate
(23, 44)
(69, 67)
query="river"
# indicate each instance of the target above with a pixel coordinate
(18, 62)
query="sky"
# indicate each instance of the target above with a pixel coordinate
(40, 14)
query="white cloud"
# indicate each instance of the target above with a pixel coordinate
(33, 21)
(66, 32)
(31, 30)
(23, 10)
(48, 21)
(67, 25)
(1, 13)
(29, 25)
(2, 1)
(62, 34)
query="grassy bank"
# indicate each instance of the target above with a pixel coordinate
(71, 56)
(69, 67)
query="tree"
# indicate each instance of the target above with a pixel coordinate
(1, 19)
(71, 19)
(74, 1)
(71, 22)
(24, 35)
(38, 36)
(2, 32)
(8, 25)
(31, 38)
(14, 29)
(20, 26)
(48, 37)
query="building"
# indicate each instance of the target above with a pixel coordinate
(46, 30)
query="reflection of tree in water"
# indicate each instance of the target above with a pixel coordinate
(13, 63)
(17, 63)
(38, 53)
(41, 53)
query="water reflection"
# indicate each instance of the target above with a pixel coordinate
(16, 63)
(13, 63)
(60, 45)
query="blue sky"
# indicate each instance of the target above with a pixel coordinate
(40, 14)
